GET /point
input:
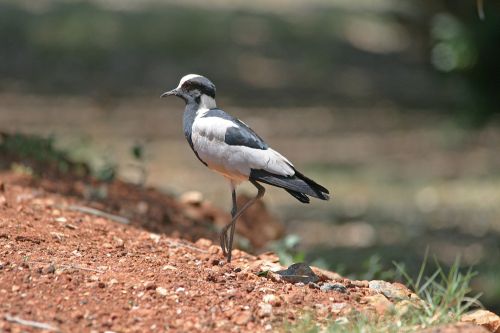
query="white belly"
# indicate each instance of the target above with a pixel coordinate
(222, 158)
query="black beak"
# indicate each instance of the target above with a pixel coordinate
(172, 92)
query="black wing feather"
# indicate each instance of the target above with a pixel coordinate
(238, 136)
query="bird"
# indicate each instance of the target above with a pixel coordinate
(231, 148)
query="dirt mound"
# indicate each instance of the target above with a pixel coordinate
(67, 266)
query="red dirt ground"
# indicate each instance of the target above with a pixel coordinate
(78, 272)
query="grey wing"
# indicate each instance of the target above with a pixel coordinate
(241, 134)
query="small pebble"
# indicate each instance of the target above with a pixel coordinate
(149, 285)
(214, 249)
(119, 242)
(155, 237)
(243, 318)
(313, 285)
(169, 267)
(161, 291)
(49, 269)
(334, 287)
(360, 283)
(272, 299)
(390, 290)
(203, 242)
(265, 310)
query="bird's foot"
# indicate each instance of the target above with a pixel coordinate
(224, 243)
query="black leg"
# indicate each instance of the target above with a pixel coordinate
(223, 236)
(228, 246)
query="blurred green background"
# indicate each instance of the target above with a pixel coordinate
(394, 105)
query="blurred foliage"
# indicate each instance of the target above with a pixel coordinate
(297, 58)
(453, 49)
(38, 156)
(467, 47)
(26, 146)
(287, 250)
(78, 47)
(107, 173)
(376, 270)
(137, 151)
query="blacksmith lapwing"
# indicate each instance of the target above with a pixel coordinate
(228, 146)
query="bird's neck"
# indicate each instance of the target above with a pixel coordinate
(196, 109)
(200, 106)
(207, 102)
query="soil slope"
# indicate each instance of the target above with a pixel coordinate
(64, 266)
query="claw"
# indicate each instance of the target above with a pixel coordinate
(224, 244)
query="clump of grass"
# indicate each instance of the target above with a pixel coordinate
(287, 250)
(444, 294)
(444, 299)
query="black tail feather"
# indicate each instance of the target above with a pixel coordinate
(298, 185)
(299, 196)
(317, 187)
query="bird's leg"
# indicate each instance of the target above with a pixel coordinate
(234, 216)
(228, 246)
(223, 235)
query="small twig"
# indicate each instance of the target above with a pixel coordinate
(185, 245)
(30, 323)
(67, 266)
(81, 267)
(97, 212)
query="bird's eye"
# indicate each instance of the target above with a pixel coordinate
(190, 86)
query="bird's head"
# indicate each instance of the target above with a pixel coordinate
(194, 88)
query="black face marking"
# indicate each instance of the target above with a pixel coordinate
(200, 83)
(238, 136)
